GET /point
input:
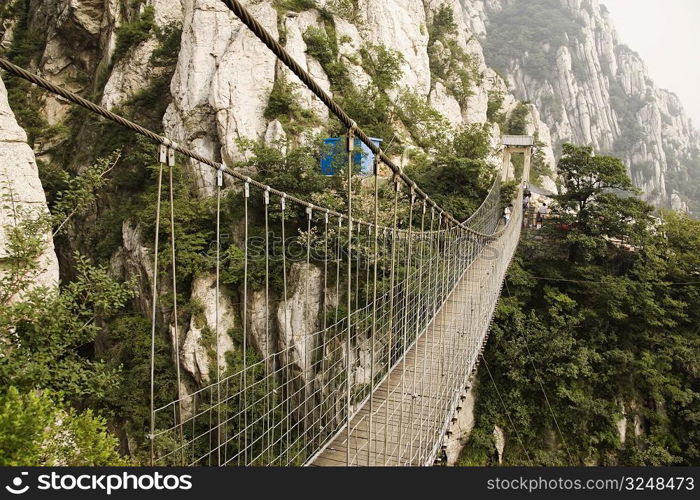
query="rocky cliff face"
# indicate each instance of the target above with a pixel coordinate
(224, 78)
(21, 193)
(216, 78)
(216, 83)
(566, 57)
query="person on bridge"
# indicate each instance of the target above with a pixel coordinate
(526, 206)
(507, 212)
(542, 213)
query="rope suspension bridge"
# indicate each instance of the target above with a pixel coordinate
(402, 317)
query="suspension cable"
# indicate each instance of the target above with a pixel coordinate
(407, 292)
(176, 335)
(370, 440)
(286, 394)
(544, 392)
(219, 186)
(350, 147)
(392, 281)
(269, 362)
(153, 312)
(246, 195)
(506, 410)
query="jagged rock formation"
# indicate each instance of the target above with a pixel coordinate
(195, 357)
(220, 90)
(223, 81)
(462, 425)
(220, 87)
(21, 193)
(590, 88)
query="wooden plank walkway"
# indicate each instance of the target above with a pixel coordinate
(410, 407)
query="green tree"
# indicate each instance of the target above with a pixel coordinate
(45, 334)
(38, 429)
(516, 124)
(610, 333)
(597, 201)
(585, 176)
(457, 175)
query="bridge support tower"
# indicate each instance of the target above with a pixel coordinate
(514, 144)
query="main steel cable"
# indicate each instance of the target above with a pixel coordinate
(259, 31)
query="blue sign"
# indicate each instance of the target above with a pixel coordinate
(334, 157)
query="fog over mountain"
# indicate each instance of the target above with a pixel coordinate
(665, 35)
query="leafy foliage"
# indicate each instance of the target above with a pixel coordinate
(429, 129)
(540, 27)
(322, 44)
(284, 105)
(44, 334)
(449, 62)
(383, 65)
(684, 176)
(347, 9)
(607, 333)
(134, 33)
(70, 319)
(47, 338)
(25, 99)
(295, 5)
(590, 203)
(193, 226)
(539, 168)
(517, 120)
(494, 107)
(457, 176)
(39, 429)
(126, 349)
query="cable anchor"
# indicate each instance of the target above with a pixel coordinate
(220, 175)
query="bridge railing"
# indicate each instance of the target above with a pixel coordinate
(280, 403)
(302, 367)
(414, 408)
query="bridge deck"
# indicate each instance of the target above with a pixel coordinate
(410, 406)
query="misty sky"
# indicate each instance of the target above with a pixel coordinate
(666, 33)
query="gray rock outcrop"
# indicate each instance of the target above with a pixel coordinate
(598, 92)
(21, 194)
